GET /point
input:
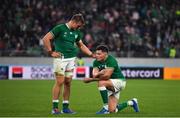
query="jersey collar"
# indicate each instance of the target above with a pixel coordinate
(67, 26)
(106, 58)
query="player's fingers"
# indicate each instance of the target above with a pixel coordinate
(59, 54)
(56, 54)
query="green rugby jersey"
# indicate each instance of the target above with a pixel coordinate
(65, 39)
(110, 62)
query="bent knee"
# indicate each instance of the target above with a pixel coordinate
(101, 83)
(112, 110)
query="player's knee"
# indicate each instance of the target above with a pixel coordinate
(112, 110)
(101, 83)
(59, 80)
(68, 78)
(67, 81)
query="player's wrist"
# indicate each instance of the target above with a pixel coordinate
(50, 52)
(92, 54)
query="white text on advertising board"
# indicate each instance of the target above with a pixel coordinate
(41, 72)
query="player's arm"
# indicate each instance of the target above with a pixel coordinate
(96, 73)
(104, 74)
(47, 43)
(84, 49)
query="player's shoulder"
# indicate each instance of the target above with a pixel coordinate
(78, 31)
(110, 57)
(60, 25)
(95, 62)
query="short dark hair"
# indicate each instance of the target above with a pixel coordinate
(78, 18)
(103, 48)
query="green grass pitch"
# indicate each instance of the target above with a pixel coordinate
(157, 98)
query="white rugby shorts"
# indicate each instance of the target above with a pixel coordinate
(60, 66)
(118, 85)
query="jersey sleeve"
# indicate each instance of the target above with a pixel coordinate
(80, 36)
(112, 63)
(56, 30)
(95, 64)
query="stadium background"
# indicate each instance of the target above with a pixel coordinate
(143, 35)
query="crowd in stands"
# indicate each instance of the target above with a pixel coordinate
(130, 28)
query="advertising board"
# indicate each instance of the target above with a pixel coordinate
(4, 72)
(172, 73)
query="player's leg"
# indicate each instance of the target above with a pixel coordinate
(67, 92)
(56, 93)
(102, 86)
(133, 103)
(122, 106)
(112, 103)
(59, 71)
(118, 86)
(67, 87)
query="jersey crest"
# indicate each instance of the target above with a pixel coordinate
(76, 36)
(101, 67)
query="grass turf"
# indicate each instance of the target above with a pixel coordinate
(157, 98)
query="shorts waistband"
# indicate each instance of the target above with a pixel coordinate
(120, 79)
(123, 80)
(65, 59)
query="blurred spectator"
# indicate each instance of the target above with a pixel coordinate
(80, 61)
(35, 50)
(2, 47)
(172, 52)
(131, 28)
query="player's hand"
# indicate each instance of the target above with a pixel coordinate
(55, 54)
(87, 80)
(93, 55)
(102, 72)
(95, 74)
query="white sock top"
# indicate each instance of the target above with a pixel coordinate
(65, 101)
(130, 102)
(106, 106)
(55, 100)
(102, 88)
